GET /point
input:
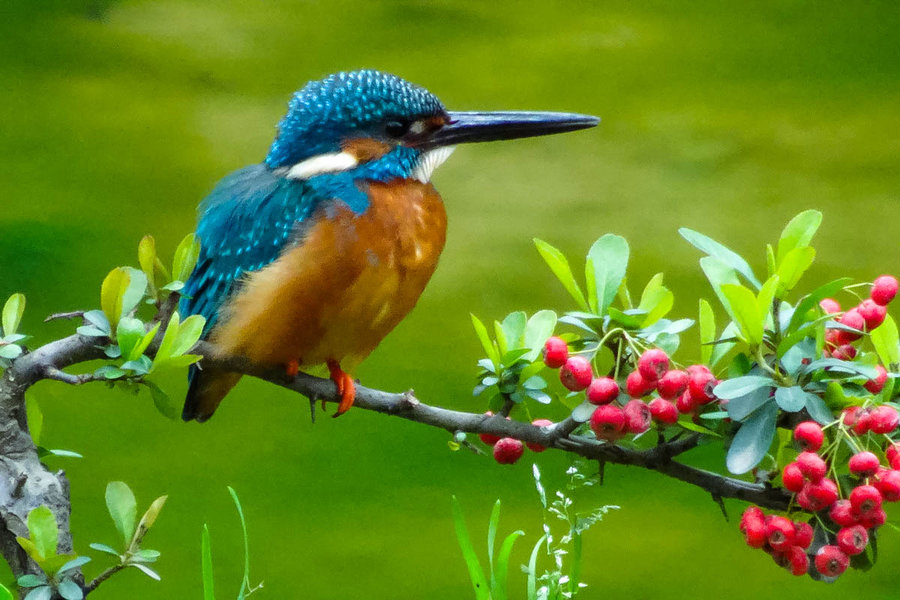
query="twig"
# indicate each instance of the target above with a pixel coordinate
(75, 314)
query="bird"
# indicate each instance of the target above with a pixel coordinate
(313, 256)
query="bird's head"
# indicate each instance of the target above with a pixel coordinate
(398, 129)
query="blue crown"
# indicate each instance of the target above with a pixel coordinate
(357, 102)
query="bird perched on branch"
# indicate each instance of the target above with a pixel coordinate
(315, 255)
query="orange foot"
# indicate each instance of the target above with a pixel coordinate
(345, 387)
(292, 368)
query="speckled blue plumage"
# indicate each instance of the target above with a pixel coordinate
(357, 102)
(253, 214)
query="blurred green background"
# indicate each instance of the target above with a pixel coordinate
(727, 117)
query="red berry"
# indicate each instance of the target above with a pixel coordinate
(832, 338)
(853, 319)
(576, 373)
(809, 435)
(672, 384)
(663, 411)
(798, 561)
(865, 499)
(508, 450)
(700, 385)
(685, 403)
(780, 533)
(860, 420)
(752, 513)
(602, 390)
(538, 423)
(811, 465)
(853, 540)
(884, 289)
(850, 415)
(883, 419)
(637, 416)
(842, 513)
(863, 464)
(888, 483)
(874, 519)
(607, 422)
(830, 306)
(556, 351)
(803, 535)
(831, 561)
(893, 455)
(873, 314)
(876, 385)
(637, 386)
(653, 364)
(820, 494)
(755, 533)
(489, 438)
(792, 478)
(844, 352)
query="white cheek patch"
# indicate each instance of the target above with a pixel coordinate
(429, 161)
(334, 162)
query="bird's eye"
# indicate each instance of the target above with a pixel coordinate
(396, 129)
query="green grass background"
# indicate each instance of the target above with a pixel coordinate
(727, 117)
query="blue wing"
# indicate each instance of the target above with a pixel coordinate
(245, 223)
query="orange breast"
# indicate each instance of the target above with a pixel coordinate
(336, 295)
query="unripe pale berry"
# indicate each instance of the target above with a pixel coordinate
(653, 364)
(884, 289)
(607, 422)
(538, 423)
(602, 390)
(556, 351)
(792, 478)
(873, 314)
(842, 513)
(637, 386)
(883, 419)
(637, 416)
(853, 540)
(809, 435)
(672, 384)
(576, 373)
(663, 411)
(865, 499)
(831, 561)
(508, 450)
(863, 464)
(830, 306)
(803, 535)
(811, 465)
(888, 483)
(874, 386)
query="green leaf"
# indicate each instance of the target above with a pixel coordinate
(656, 300)
(707, 331)
(742, 407)
(790, 399)
(129, 334)
(538, 330)
(147, 259)
(745, 311)
(104, 548)
(489, 349)
(493, 523)
(513, 327)
(70, 590)
(43, 531)
(29, 581)
(162, 401)
(770, 260)
(5, 594)
(765, 297)
(12, 313)
(532, 570)
(813, 299)
(718, 274)
(560, 267)
(691, 426)
(186, 255)
(724, 255)
(795, 264)
(752, 440)
(40, 593)
(146, 571)
(189, 332)
(608, 262)
(498, 588)
(582, 413)
(476, 575)
(144, 343)
(887, 342)
(167, 344)
(135, 291)
(111, 292)
(206, 565)
(122, 508)
(798, 233)
(500, 338)
(245, 582)
(817, 409)
(741, 386)
(148, 519)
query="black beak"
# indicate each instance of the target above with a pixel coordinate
(467, 127)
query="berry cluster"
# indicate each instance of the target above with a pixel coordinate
(508, 450)
(867, 316)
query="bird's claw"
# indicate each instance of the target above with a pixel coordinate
(345, 387)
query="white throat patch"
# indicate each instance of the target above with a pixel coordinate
(334, 162)
(431, 160)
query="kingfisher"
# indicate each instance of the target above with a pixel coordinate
(313, 256)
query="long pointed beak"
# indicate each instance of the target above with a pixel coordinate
(467, 127)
